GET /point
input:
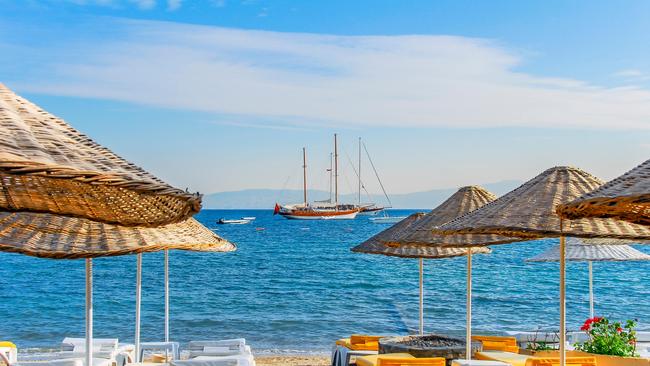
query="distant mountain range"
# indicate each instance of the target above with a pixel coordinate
(266, 198)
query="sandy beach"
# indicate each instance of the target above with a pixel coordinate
(274, 360)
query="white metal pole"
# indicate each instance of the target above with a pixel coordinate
(468, 335)
(89, 311)
(166, 295)
(138, 300)
(562, 300)
(421, 296)
(591, 290)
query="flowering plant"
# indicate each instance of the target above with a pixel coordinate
(609, 338)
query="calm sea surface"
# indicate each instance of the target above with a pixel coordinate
(296, 287)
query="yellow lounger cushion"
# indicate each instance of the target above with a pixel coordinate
(496, 343)
(373, 359)
(514, 359)
(360, 342)
(425, 361)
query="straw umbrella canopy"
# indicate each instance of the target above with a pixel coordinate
(625, 198)
(48, 166)
(592, 250)
(60, 237)
(528, 212)
(387, 242)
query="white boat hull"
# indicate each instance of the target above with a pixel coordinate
(349, 216)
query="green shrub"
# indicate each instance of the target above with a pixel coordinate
(609, 338)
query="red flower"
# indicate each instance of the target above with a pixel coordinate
(585, 327)
(619, 329)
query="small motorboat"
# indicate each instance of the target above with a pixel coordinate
(242, 221)
(249, 218)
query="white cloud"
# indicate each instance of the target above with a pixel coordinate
(417, 80)
(632, 75)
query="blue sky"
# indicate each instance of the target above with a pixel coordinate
(222, 95)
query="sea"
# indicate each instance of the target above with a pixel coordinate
(295, 287)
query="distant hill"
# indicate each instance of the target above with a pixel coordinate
(266, 198)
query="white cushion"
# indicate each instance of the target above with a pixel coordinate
(63, 362)
(236, 360)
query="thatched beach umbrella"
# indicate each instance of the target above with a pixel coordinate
(61, 237)
(625, 198)
(592, 250)
(389, 242)
(528, 212)
(377, 245)
(48, 166)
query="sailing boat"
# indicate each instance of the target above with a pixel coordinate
(319, 210)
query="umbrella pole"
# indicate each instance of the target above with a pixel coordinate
(468, 335)
(166, 295)
(421, 296)
(591, 290)
(89, 311)
(562, 297)
(138, 300)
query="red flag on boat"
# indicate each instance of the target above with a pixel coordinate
(276, 210)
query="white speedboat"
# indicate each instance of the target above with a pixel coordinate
(223, 221)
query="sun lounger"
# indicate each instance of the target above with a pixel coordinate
(424, 361)
(496, 343)
(357, 345)
(477, 363)
(513, 359)
(54, 361)
(227, 347)
(108, 348)
(373, 360)
(235, 360)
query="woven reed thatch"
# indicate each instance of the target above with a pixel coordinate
(62, 237)
(48, 166)
(466, 199)
(378, 243)
(528, 212)
(624, 198)
(579, 251)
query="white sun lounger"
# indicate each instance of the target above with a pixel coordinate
(56, 360)
(234, 360)
(108, 348)
(226, 347)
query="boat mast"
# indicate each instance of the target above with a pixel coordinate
(336, 175)
(304, 175)
(359, 173)
(330, 171)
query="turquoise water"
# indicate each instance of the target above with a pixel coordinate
(295, 287)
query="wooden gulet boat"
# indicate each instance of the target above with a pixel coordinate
(319, 211)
